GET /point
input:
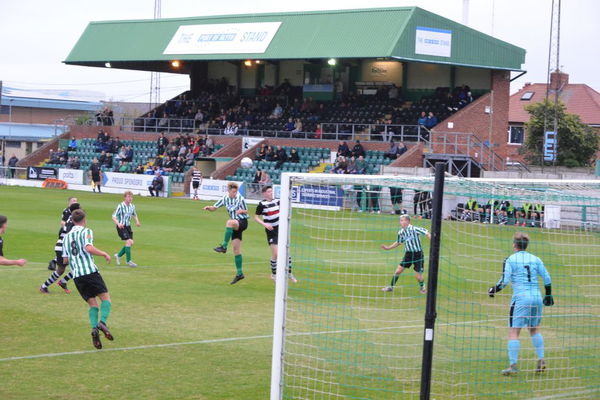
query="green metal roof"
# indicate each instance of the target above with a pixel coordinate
(365, 33)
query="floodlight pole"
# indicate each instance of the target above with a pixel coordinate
(434, 255)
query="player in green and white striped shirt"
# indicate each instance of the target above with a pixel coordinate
(236, 225)
(413, 254)
(79, 252)
(122, 218)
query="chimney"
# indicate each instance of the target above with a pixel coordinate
(558, 80)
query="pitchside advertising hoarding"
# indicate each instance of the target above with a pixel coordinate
(223, 38)
(133, 182)
(71, 176)
(330, 196)
(213, 189)
(433, 42)
(41, 173)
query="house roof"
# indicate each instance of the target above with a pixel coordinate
(399, 33)
(579, 99)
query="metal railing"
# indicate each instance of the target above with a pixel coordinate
(329, 130)
(461, 143)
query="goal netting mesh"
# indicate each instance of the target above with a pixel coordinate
(343, 337)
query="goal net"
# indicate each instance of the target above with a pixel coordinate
(339, 335)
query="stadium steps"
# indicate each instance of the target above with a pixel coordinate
(319, 169)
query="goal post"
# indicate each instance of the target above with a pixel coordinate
(337, 335)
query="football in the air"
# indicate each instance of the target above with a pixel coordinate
(246, 162)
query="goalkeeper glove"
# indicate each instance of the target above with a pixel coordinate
(493, 290)
(548, 299)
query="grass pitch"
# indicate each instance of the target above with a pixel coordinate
(182, 332)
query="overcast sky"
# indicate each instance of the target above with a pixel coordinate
(37, 35)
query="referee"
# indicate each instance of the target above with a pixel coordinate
(413, 254)
(79, 252)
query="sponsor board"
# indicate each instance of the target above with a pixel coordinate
(41, 173)
(248, 142)
(213, 189)
(71, 176)
(223, 38)
(319, 195)
(433, 42)
(133, 181)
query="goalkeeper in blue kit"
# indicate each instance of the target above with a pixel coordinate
(522, 270)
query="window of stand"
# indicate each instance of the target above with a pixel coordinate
(516, 135)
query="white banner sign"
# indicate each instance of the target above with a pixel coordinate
(248, 142)
(212, 189)
(433, 42)
(133, 182)
(72, 176)
(222, 38)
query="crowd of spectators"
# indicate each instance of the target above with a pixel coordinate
(105, 117)
(219, 110)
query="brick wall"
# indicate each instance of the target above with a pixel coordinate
(412, 158)
(28, 115)
(476, 118)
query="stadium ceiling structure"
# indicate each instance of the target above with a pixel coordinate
(408, 34)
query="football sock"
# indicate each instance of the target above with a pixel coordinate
(273, 267)
(538, 343)
(93, 312)
(128, 253)
(53, 277)
(513, 351)
(289, 264)
(394, 280)
(122, 252)
(227, 238)
(67, 277)
(104, 310)
(238, 264)
(421, 283)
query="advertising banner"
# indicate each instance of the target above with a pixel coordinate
(133, 182)
(433, 42)
(213, 189)
(41, 173)
(223, 38)
(72, 176)
(320, 195)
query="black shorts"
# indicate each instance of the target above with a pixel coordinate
(90, 285)
(59, 259)
(396, 195)
(413, 258)
(195, 184)
(125, 233)
(272, 235)
(243, 226)
(96, 179)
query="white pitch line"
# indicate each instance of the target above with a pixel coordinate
(563, 395)
(222, 340)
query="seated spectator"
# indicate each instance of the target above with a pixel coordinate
(101, 158)
(270, 156)
(123, 167)
(139, 169)
(157, 184)
(318, 132)
(262, 152)
(358, 150)
(163, 122)
(108, 161)
(402, 149)
(121, 154)
(297, 126)
(69, 163)
(229, 129)
(265, 179)
(189, 159)
(72, 144)
(158, 161)
(343, 149)
(360, 165)
(393, 92)
(116, 145)
(179, 165)
(210, 144)
(341, 165)
(281, 157)
(174, 152)
(277, 112)
(76, 163)
(289, 126)
(53, 157)
(162, 143)
(351, 168)
(431, 121)
(294, 157)
(422, 119)
(169, 164)
(129, 154)
(182, 151)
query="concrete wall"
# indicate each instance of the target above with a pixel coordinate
(248, 77)
(428, 76)
(293, 70)
(381, 71)
(24, 149)
(30, 115)
(475, 78)
(220, 69)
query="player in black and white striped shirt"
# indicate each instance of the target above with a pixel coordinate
(268, 209)
(235, 226)
(59, 266)
(413, 254)
(196, 181)
(63, 221)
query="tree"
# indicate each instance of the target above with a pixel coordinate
(577, 142)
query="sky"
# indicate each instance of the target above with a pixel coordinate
(37, 35)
